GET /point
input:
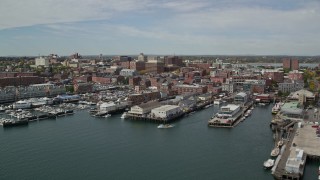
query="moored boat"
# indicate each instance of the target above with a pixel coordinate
(217, 102)
(69, 112)
(275, 152)
(165, 126)
(280, 143)
(11, 123)
(107, 115)
(268, 164)
(124, 115)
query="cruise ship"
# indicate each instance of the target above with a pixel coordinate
(226, 116)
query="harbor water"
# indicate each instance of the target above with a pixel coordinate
(83, 147)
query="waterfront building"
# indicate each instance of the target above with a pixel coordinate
(226, 116)
(295, 162)
(241, 98)
(291, 111)
(144, 108)
(263, 98)
(165, 111)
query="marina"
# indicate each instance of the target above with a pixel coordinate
(83, 136)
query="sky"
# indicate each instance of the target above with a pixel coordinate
(164, 27)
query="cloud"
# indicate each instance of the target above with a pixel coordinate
(34, 12)
(189, 26)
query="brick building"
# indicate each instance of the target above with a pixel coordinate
(188, 89)
(277, 76)
(295, 75)
(138, 65)
(144, 97)
(21, 81)
(292, 64)
(154, 67)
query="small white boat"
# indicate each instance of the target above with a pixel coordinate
(280, 143)
(107, 115)
(124, 115)
(268, 164)
(217, 102)
(165, 126)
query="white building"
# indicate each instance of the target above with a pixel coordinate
(128, 72)
(41, 61)
(144, 108)
(111, 106)
(295, 161)
(165, 111)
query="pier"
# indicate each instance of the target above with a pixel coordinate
(213, 122)
(303, 138)
(149, 118)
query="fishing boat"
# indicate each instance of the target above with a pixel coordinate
(268, 163)
(275, 152)
(165, 126)
(280, 143)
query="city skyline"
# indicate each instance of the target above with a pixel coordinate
(160, 27)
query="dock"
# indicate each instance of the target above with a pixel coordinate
(303, 138)
(149, 118)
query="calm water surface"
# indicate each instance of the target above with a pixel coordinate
(82, 147)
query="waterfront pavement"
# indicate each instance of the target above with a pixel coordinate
(306, 139)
